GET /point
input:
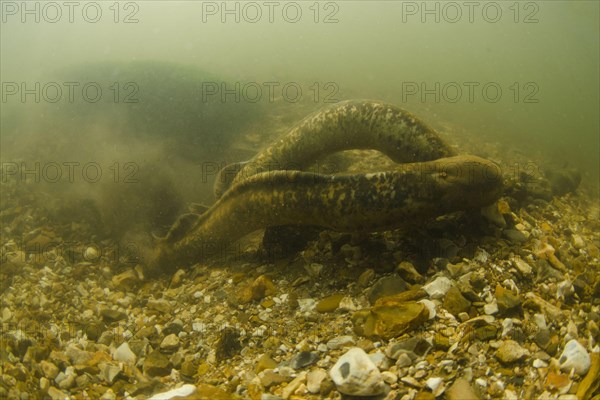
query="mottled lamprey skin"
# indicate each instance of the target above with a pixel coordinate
(259, 197)
(348, 125)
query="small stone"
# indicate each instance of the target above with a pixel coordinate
(258, 289)
(491, 308)
(524, 268)
(314, 379)
(77, 356)
(510, 351)
(228, 344)
(329, 304)
(313, 269)
(124, 354)
(49, 369)
(515, 236)
(57, 394)
(110, 315)
(355, 374)
(436, 385)
(340, 341)
(408, 272)
(170, 343)
(366, 277)
(537, 363)
(389, 319)
(157, 364)
(438, 288)
(389, 377)
(578, 242)
(109, 372)
(126, 281)
(160, 305)
(294, 386)
(574, 356)
(455, 302)
(303, 359)
(265, 362)
(508, 301)
(387, 286)
(44, 384)
(461, 389)
(270, 378)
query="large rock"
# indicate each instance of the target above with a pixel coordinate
(355, 374)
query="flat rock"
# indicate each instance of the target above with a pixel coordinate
(461, 389)
(510, 351)
(390, 319)
(387, 286)
(438, 287)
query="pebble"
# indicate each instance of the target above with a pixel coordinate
(578, 242)
(491, 308)
(314, 379)
(265, 362)
(49, 370)
(455, 302)
(295, 386)
(508, 301)
(389, 377)
(524, 268)
(537, 363)
(389, 319)
(515, 235)
(124, 354)
(170, 343)
(461, 389)
(387, 286)
(436, 385)
(303, 359)
(510, 351)
(408, 272)
(340, 341)
(438, 288)
(156, 364)
(574, 356)
(57, 394)
(109, 372)
(270, 378)
(355, 374)
(329, 304)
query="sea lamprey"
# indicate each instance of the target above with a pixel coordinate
(355, 202)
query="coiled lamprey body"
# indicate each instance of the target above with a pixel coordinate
(430, 180)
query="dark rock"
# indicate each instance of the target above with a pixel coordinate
(303, 359)
(387, 286)
(508, 302)
(563, 181)
(228, 344)
(110, 315)
(455, 302)
(157, 364)
(514, 235)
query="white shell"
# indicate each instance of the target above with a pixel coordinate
(355, 374)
